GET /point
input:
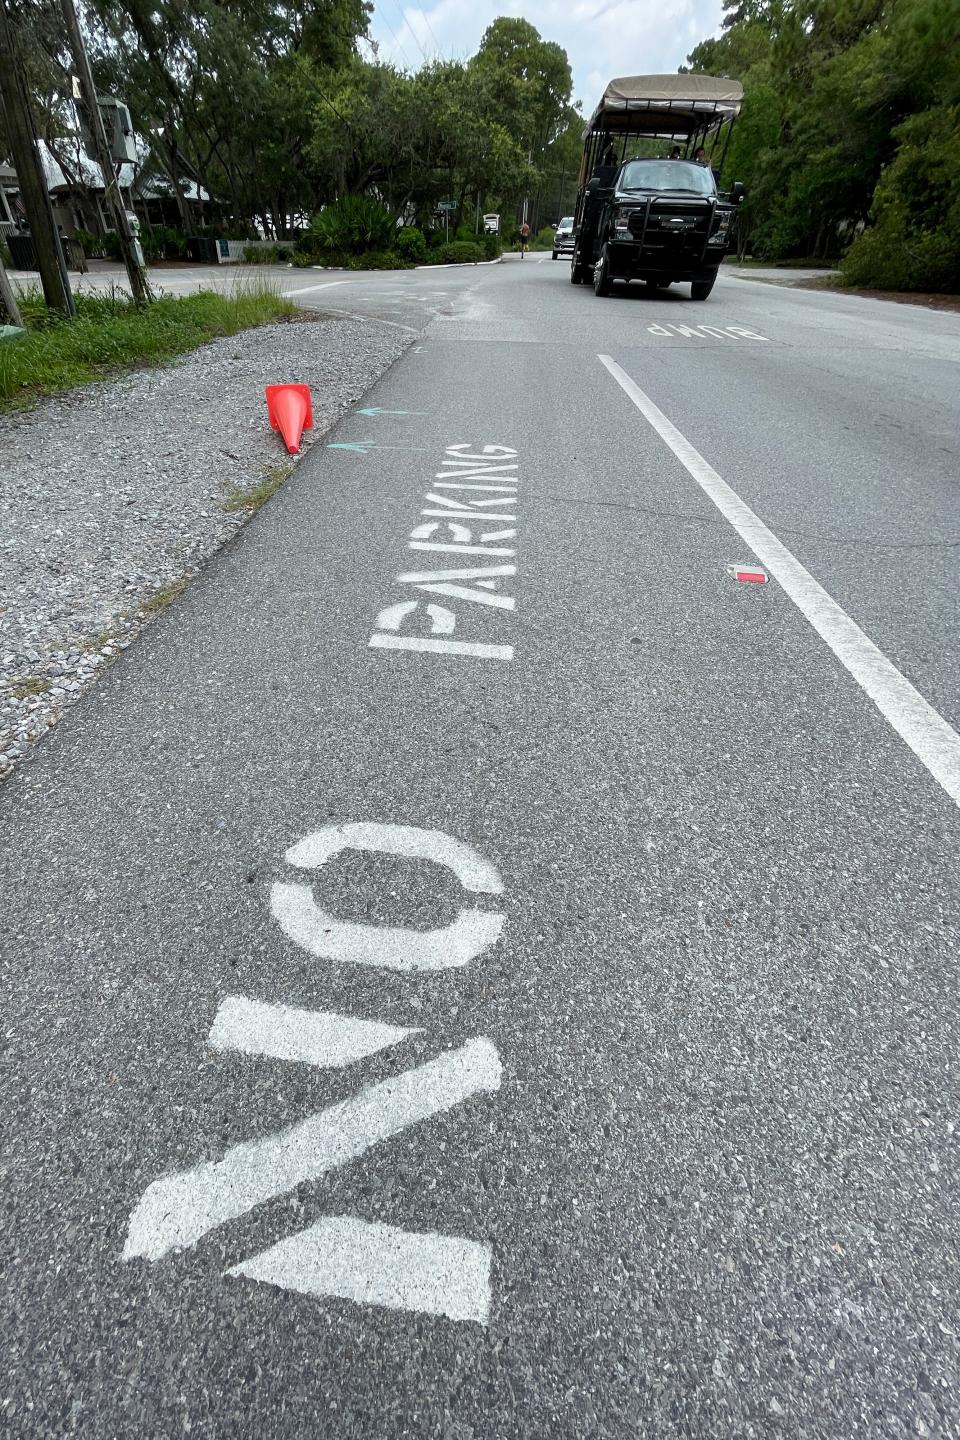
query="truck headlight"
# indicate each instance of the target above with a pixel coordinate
(622, 221)
(721, 231)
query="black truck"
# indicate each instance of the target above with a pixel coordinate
(659, 219)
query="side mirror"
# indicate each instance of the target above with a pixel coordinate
(738, 192)
(593, 185)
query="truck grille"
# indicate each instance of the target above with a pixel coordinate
(672, 231)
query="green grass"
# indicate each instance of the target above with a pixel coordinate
(111, 334)
(161, 598)
(32, 685)
(251, 500)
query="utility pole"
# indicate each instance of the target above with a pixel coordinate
(8, 301)
(128, 249)
(30, 173)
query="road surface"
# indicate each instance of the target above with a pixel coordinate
(484, 963)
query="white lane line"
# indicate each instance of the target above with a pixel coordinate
(178, 1210)
(935, 743)
(441, 647)
(376, 1264)
(323, 285)
(313, 1037)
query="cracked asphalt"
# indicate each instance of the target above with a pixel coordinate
(717, 1184)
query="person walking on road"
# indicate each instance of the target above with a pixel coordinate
(524, 238)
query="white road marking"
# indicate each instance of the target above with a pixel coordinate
(474, 872)
(178, 1210)
(313, 1037)
(442, 620)
(505, 551)
(935, 743)
(701, 332)
(468, 935)
(324, 285)
(376, 1264)
(441, 647)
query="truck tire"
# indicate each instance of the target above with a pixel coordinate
(577, 275)
(554, 255)
(601, 274)
(700, 289)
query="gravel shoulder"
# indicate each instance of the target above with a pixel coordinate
(113, 495)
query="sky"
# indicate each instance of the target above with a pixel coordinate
(602, 38)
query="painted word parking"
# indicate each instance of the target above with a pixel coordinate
(470, 512)
(344, 1256)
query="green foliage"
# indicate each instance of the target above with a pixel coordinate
(411, 245)
(92, 245)
(273, 113)
(353, 225)
(265, 254)
(110, 333)
(849, 129)
(492, 246)
(163, 242)
(914, 243)
(458, 252)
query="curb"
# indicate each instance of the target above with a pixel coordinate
(344, 270)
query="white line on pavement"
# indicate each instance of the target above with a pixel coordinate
(313, 1037)
(178, 1210)
(376, 1264)
(324, 285)
(935, 743)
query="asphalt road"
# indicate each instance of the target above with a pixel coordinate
(543, 1020)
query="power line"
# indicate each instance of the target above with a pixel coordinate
(403, 17)
(436, 43)
(396, 39)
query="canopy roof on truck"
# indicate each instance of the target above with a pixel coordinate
(671, 107)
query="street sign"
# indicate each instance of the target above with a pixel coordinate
(446, 204)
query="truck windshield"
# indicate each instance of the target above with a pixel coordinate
(667, 175)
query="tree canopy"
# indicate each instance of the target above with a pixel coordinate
(276, 109)
(849, 142)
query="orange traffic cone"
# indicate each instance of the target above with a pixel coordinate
(290, 412)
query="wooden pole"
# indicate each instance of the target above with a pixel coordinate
(30, 173)
(8, 301)
(128, 251)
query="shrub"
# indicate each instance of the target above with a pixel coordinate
(458, 252)
(264, 254)
(492, 246)
(163, 242)
(411, 244)
(354, 225)
(302, 259)
(545, 236)
(91, 244)
(465, 232)
(914, 243)
(382, 260)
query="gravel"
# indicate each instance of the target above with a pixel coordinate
(112, 493)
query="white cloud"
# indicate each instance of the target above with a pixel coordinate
(603, 38)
